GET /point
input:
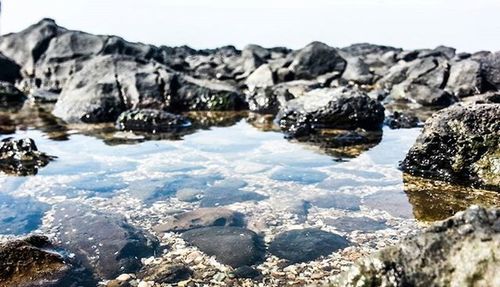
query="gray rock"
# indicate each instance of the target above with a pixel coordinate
(104, 243)
(21, 157)
(167, 273)
(336, 200)
(357, 71)
(305, 245)
(189, 194)
(268, 100)
(233, 246)
(202, 217)
(460, 251)
(316, 59)
(262, 77)
(150, 120)
(490, 69)
(465, 78)
(459, 144)
(350, 224)
(11, 97)
(400, 120)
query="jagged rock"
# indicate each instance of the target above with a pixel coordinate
(330, 109)
(21, 157)
(304, 245)
(262, 77)
(104, 243)
(459, 144)
(149, 120)
(357, 71)
(10, 96)
(268, 100)
(490, 69)
(460, 251)
(202, 217)
(233, 246)
(9, 70)
(33, 261)
(465, 78)
(400, 120)
(316, 59)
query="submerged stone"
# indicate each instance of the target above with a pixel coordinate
(350, 224)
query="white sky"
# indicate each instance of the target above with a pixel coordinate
(468, 25)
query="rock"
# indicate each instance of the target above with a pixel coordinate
(167, 274)
(465, 78)
(400, 120)
(360, 224)
(459, 144)
(189, 194)
(490, 69)
(232, 246)
(150, 120)
(202, 217)
(330, 109)
(336, 200)
(33, 261)
(357, 71)
(9, 70)
(20, 215)
(303, 176)
(246, 272)
(316, 59)
(104, 243)
(486, 98)
(268, 100)
(260, 78)
(223, 196)
(304, 245)
(10, 96)
(460, 251)
(21, 157)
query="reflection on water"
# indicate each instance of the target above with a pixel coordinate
(226, 159)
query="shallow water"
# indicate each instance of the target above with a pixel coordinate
(259, 173)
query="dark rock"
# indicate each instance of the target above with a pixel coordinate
(20, 215)
(305, 245)
(357, 71)
(149, 120)
(459, 144)
(233, 246)
(10, 96)
(21, 157)
(224, 196)
(400, 120)
(330, 109)
(490, 69)
(460, 251)
(268, 100)
(350, 224)
(102, 242)
(9, 70)
(33, 261)
(167, 273)
(316, 59)
(202, 217)
(246, 272)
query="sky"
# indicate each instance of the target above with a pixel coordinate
(468, 25)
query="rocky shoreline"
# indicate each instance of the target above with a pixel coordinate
(337, 99)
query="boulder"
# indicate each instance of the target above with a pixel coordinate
(304, 245)
(21, 157)
(150, 120)
(316, 59)
(33, 261)
(399, 120)
(202, 217)
(10, 96)
(460, 251)
(490, 69)
(357, 71)
(262, 77)
(465, 78)
(459, 144)
(9, 70)
(336, 108)
(268, 100)
(234, 246)
(104, 243)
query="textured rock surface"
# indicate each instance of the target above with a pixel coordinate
(10, 96)
(21, 157)
(459, 144)
(150, 120)
(316, 59)
(461, 251)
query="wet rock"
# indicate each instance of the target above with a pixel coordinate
(268, 100)
(20, 215)
(202, 217)
(233, 246)
(316, 59)
(465, 78)
(21, 157)
(102, 242)
(460, 251)
(189, 194)
(459, 144)
(490, 69)
(336, 200)
(246, 272)
(167, 273)
(350, 224)
(223, 196)
(305, 245)
(150, 120)
(10, 96)
(34, 262)
(9, 70)
(400, 120)
(304, 176)
(330, 109)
